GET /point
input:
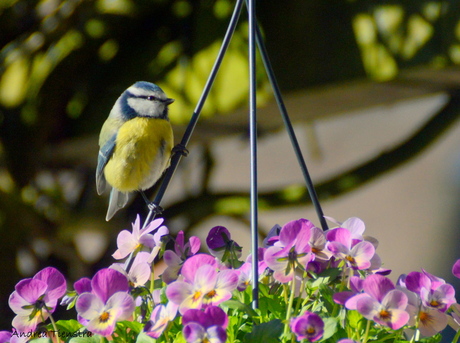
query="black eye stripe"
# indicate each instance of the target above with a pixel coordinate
(148, 97)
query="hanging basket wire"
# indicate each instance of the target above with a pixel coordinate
(255, 39)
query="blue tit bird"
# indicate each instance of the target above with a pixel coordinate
(135, 144)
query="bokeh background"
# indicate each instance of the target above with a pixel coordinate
(372, 87)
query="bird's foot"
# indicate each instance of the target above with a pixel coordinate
(180, 149)
(156, 209)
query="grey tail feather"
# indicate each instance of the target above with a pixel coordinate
(117, 201)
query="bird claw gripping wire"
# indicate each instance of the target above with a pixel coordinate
(180, 149)
(154, 208)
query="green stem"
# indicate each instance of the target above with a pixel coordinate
(456, 337)
(302, 286)
(289, 308)
(366, 334)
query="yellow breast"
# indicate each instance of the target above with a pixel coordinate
(142, 153)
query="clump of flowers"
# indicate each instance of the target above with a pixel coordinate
(314, 286)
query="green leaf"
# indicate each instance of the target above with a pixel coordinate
(238, 305)
(133, 326)
(355, 319)
(88, 339)
(330, 327)
(70, 325)
(144, 338)
(266, 332)
(326, 277)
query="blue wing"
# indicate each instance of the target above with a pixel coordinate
(105, 153)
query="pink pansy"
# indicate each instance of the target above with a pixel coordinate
(34, 299)
(355, 225)
(343, 247)
(161, 316)
(158, 242)
(209, 287)
(244, 276)
(429, 320)
(292, 250)
(356, 287)
(140, 270)
(454, 318)
(318, 244)
(108, 302)
(192, 264)
(128, 242)
(382, 303)
(175, 259)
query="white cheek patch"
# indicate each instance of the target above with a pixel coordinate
(145, 107)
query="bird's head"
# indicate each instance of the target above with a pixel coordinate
(144, 99)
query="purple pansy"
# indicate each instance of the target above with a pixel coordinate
(272, 236)
(308, 326)
(433, 291)
(221, 245)
(357, 254)
(34, 299)
(382, 303)
(292, 250)
(205, 326)
(456, 269)
(108, 302)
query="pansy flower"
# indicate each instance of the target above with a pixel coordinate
(292, 250)
(221, 245)
(433, 291)
(382, 303)
(175, 259)
(308, 326)
(205, 326)
(342, 245)
(35, 299)
(209, 287)
(107, 303)
(161, 316)
(128, 242)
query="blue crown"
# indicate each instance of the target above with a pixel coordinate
(148, 86)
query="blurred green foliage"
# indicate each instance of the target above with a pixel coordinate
(64, 62)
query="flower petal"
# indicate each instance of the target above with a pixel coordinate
(107, 282)
(193, 332)
(123, 303)
(31, 289)
(178, 291)
(83, 285)
(88, 306)
(395, 299)
(57, 285)
(126, 244)
(377, 286)
(192, 264)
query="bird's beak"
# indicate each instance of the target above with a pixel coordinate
(168, 101)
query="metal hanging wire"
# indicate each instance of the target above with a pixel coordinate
(255, 38)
